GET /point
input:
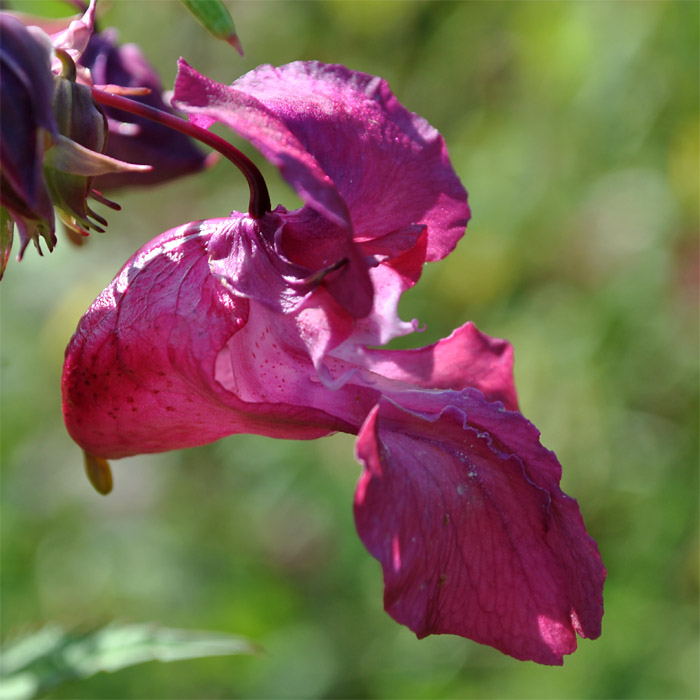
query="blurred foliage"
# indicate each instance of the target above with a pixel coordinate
(45, 659)
(575, 128)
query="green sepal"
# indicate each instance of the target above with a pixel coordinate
(76, 155)
(70, 157)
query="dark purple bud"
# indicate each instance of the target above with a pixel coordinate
(133, 138)
(52, 136)
(26, 125)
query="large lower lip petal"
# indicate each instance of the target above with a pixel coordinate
(475, 539)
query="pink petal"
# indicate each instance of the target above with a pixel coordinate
(468, 358)
(253, 257)
(376, 152)
(74, 39)
(208, 101)
(318, 244)
(344, 142)
(139, 374)
(274, 359)
(475, 539)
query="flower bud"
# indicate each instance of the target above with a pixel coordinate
(81, 122)
(52, 140)
(26, 125)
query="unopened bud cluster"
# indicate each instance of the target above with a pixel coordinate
(58, 147)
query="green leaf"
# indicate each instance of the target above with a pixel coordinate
(216, 18)
(51, 656)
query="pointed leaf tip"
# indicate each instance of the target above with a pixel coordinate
(216, 19)
(236, 43)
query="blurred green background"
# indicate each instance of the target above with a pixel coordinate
(574, 126)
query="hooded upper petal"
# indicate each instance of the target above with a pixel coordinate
(476, 538)
(382, 195)
(140, 370)
(389, 166)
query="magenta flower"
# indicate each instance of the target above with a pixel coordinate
(266, 324)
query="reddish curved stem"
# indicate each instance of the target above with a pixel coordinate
(259, 197)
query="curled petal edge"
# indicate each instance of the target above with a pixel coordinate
(469, 543)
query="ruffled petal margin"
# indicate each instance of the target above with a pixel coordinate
(466, 359)
(358, 157)
(469, 542)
